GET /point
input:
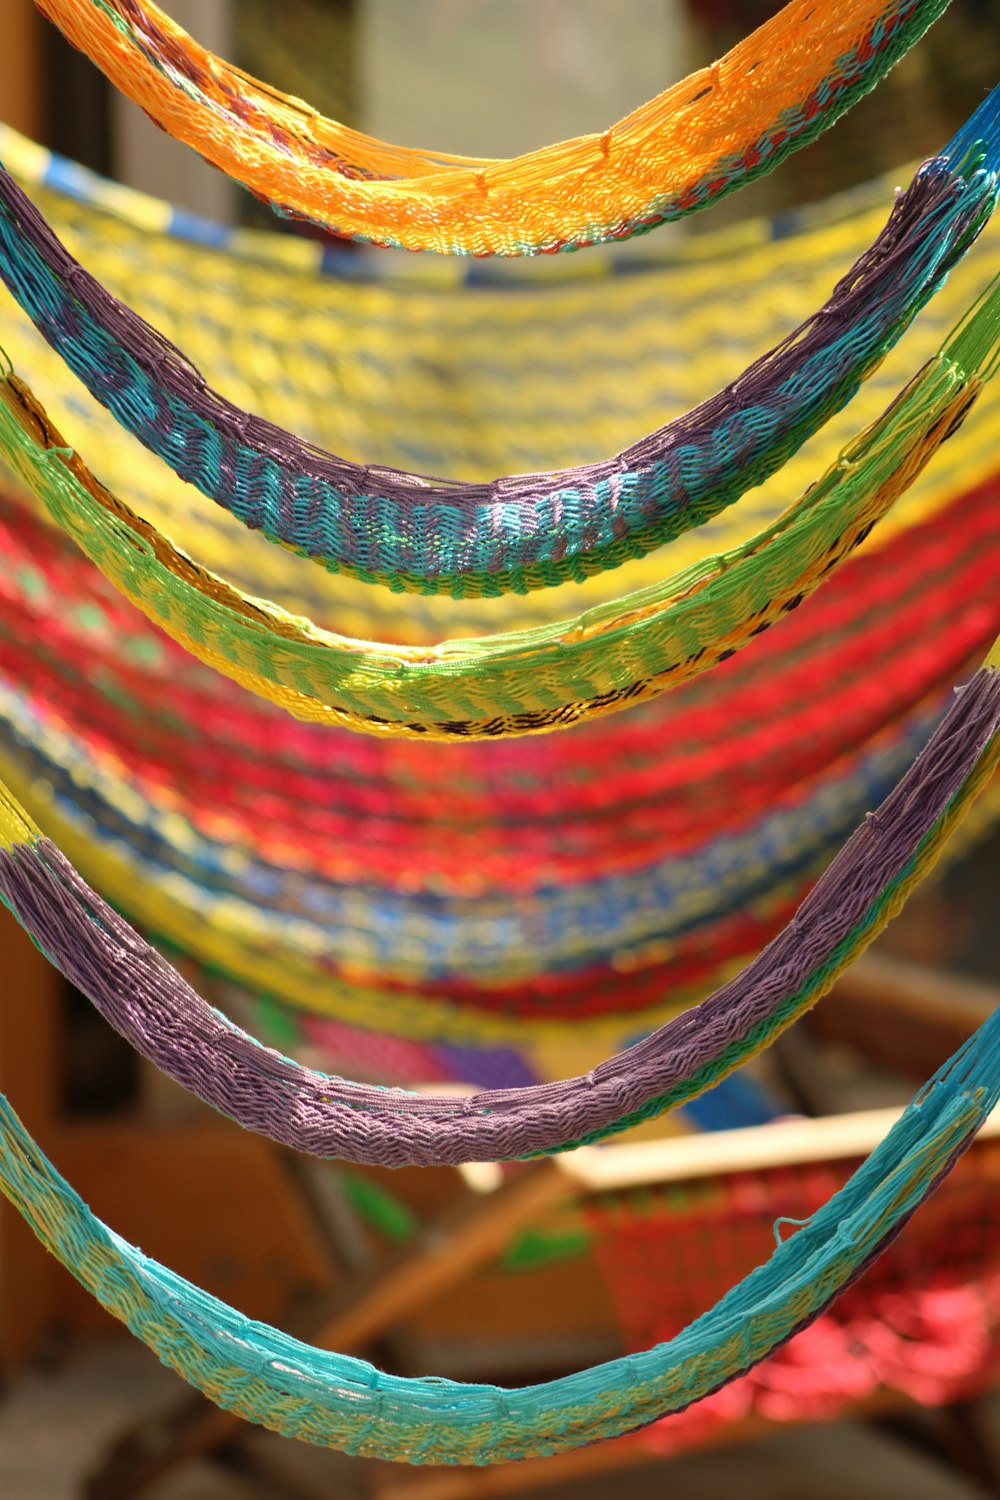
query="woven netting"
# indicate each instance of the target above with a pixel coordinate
(530, 681)
(701, 139)
(431, 945)
(595, 801)
(151, 1005)
(344, 1402)
(138, 798)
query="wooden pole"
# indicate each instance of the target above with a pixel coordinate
(903, 1015)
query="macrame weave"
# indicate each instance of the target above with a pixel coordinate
(529, 813)
(945, 571)
(476, 945)
(154, 694)
(538, 377)
(181, 234)
(517, 533)
(700, 140)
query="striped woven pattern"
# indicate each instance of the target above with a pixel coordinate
(692, 145)
(435, 943)
(150, 1003)
(531, 681)
(501, 687)
(520, 802)
(518, 533)
(539, 811)
(576, 1012)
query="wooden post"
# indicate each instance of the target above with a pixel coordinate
(903, 1015)
(21, 85)
(29, 1028)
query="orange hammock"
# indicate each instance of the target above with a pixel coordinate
(694, 143)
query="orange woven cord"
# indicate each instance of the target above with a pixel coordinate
(698, 140)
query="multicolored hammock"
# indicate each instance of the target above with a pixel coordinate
(533, 373)
(331, 1399)
(433, 943)
(788, 760)
(162, 1017)
(567, 1018)
(339, 1401)
(517, 816)
(514, 533)
(700, 140)
(530, 681)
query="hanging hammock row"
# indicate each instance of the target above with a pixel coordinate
(595, 904)
(524, 682)
(343, 1402)
(338, 932)
(161, 1016)
(235, 317)
(480, 948)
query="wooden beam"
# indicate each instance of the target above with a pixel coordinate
(902, 1015)
(462, 1238)
(22, 86)
(791, 1142)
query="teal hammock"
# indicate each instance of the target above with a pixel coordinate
(342, 1402)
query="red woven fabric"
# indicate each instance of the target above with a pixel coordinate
(533, 812)
(924, 1320)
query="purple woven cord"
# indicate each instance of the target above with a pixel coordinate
(145, 999)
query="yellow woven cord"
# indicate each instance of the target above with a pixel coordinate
(16, 827)
(707, 133)
(367, 371)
